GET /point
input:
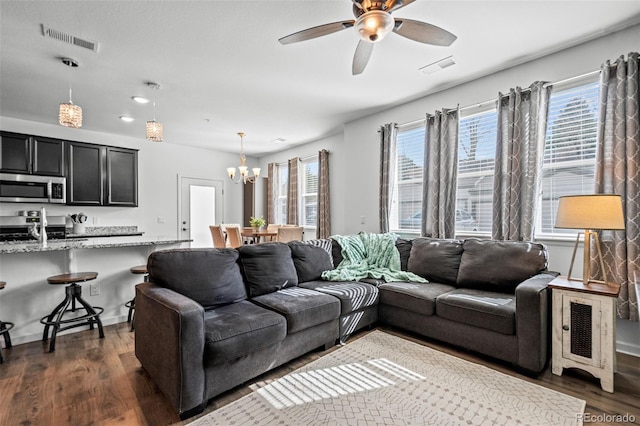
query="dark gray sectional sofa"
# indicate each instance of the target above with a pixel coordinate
(211, 319)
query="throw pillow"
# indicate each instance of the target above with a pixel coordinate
(310, 260)
(211, 277)
(267, 267)
(404, 248)
(500, 265)
(435, 259)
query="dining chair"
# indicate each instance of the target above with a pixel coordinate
(289, 233)
(273, 227)
(234, 237)
(218, 236)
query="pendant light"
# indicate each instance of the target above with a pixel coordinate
(154, 129)
(70, 115)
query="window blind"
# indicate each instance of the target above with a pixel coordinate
(407, 196)
(309, 194)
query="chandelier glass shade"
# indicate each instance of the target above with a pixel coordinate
(374, 25)
(243, 169)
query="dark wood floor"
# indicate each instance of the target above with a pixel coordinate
(89, 381)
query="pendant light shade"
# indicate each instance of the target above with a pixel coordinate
(154, 129)
(70, 115)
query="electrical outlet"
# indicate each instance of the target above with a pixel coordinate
(363, 220)
(94, 289)
(162, 220)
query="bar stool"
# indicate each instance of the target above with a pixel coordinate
(73, 295)
(131, 304)
(4, 328)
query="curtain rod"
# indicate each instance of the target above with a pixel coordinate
(484, 103)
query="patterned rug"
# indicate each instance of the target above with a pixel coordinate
(381, 379)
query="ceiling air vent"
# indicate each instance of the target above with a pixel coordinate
(439, 65)
(68, 38)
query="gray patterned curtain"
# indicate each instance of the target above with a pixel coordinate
(388, 140)
(292, 192)
(440, 174)
(618, 172)
(522, 122)
(271, 193)
(323, 225)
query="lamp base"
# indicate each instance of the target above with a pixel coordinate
(586, 267)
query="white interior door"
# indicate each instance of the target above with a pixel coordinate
(201, 205)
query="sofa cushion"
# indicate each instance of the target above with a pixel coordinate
(236, 330)
(267, 267)
(499, 265)
(353, 295)
(209, 276)
(484, 309)
(435, 259)
(309, 260)
(414, 297)
(324, 243)
(303, 308)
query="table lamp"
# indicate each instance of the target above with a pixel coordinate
(593, 213)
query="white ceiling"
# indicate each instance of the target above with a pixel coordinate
(222, 69)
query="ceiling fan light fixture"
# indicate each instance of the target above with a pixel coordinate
(374, 25)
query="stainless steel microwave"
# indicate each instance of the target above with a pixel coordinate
(16, 188)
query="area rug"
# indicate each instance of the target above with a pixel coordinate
(381, 379)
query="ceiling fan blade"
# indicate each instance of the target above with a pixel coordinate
(361, 57)
(318, 31)
(423, 32)
(398, 4)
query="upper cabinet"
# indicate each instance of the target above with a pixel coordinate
(31, 155)
(101, 175)
(122, 177)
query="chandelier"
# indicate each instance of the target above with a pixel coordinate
(70, 115)
(154, 129)
(244, 171)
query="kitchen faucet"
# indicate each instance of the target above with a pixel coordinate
(42, 235)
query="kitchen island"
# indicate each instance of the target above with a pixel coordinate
(25, 267)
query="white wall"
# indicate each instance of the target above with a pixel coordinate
(159, 165)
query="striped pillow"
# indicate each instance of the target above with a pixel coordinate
(324, 244)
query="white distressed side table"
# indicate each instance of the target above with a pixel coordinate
(584, 328)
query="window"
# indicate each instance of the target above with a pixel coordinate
(476, 158)
(309, 194)
(282, 177)
(406, 211)
(568, 164)
(570, 152)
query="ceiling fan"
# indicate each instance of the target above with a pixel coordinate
(373, 22)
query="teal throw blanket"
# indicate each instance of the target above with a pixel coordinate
(369, 256)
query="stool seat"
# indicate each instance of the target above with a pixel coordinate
(140, 269)
(4, 328)
(73, 292)
(74, 277)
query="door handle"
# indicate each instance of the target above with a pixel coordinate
(185, 229)
(565, 327)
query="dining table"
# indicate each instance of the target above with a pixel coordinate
(259, 235)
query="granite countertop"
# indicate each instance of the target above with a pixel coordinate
(105, 231)
(87, 243)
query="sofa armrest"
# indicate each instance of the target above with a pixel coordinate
(532, 321)
(169, 343)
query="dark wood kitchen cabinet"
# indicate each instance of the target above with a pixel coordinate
(122, 177)
(101, 175)
(31, 154)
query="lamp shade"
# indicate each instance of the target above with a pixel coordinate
(595, 211)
